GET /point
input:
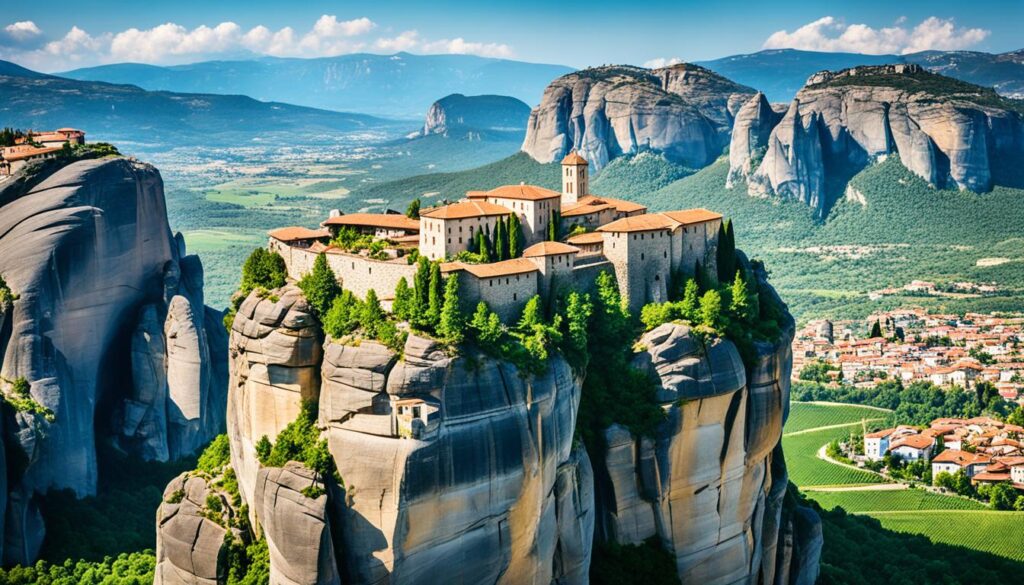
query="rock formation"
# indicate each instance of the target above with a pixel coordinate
(459, 468)
(683, 111)
(476, 117)
(948, 132)
(108, 328)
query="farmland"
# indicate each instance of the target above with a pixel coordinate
(943, 519)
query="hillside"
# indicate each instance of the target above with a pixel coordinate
(130, 114)
(400, 85)
(780, 73)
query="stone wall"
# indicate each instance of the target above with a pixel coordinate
(505, 295)
(356, 273)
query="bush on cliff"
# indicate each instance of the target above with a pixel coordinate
(320, 286)
(263, 268)
(633, 564)
(299, 441)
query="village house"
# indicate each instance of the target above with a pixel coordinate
(642, 250)
(37, 146)
(876, 444)
(951, 461)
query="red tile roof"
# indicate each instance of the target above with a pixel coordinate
(574, 158)
(518, 192)
(549, 249)
(960, 458)
(503, 268)
(640, 223)
(912, 441)
(393, 221)
(692, 216)
(465, 209)
(291, 234)
(586, 238)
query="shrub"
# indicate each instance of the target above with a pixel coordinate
(452, 323)
(263, 268)
(216, 456)
(320, 286)
(299, 441)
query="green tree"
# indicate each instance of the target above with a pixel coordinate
(451, 326)
(578, 310)
(483, 246)
(725, 254)
(654, 314)
(710, 312)
(554, 226)
(263, 268)
(701, 277)
(320, 286)
(487, 325)
(344, 316)
(689, 305)
(1002, 496)
(739, 302)
(421, 292)
(876, 329)
(500, 240)
(515, 236)
(436, 296)
(372, 316)
(402, 305)
(531, 315)
(413, 211)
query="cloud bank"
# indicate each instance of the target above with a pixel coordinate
(25, 43)
(832, 35)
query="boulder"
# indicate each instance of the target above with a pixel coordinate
(189, 545)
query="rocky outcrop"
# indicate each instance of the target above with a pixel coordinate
(683, 111)
(190, 544)
(948, 132)
(710, 484)
(477, 117)
(87, 250)
(750, 135)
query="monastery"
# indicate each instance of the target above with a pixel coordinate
(643, 250)
(37, 146)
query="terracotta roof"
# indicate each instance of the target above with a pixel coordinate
(465, 209)
(991, 476)
(586, 238)
(619, 204)
(913, 441)
(584, 209)
(549, 249)
(880, 434)
(503, 268)
(960, 458)
(393, 221)
(23, 152)
(290, 234)
(640, 223)
(521, 192)
(691, 216)
(574, 158)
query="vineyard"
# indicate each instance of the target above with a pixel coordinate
(892, 500)
(989, 531)
(806, 469)
(810, 415)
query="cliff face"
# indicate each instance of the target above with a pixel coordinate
(108, 328)
(710, 484)
(946, 131)
(684, 111)
(459, 469)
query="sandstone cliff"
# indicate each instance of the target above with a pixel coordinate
(683, 111)
(459, 468)
(108, 328)
(948, 132)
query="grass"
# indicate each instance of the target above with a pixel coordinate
(806, 469)
(201, 241)
(892, 500)
(803, 416)
(998, 533)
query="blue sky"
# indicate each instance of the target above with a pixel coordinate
(60, 34)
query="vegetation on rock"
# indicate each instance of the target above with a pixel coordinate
(136, 568)
(262, 269)
(300, 441)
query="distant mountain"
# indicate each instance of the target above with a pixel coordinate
(127, 113)
(400, 85)
(478, 117)
(780, 73)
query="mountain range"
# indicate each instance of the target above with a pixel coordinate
(780, 73)
(121, 112)
(396, 86)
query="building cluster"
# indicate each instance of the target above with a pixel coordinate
(37, 146)
(643, 250)
(964, 289)
(947, 350)
(985, 449)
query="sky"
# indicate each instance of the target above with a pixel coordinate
(58, 35)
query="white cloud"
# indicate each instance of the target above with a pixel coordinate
(662, 62)
(174, 43)
(461, 46)
(832, 35)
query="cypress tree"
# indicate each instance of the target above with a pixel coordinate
(451, 324)
(500, 241)
(739, 304)
(490, 241)
(701, 277)
(484, 247)
(876, 329)
(726, 253)
(421, 292)
(372, 314)
(436, 295)
(403, 300)
(515, 236)
(413, 211)
(320, 286)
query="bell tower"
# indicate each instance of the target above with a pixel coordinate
(575, 183)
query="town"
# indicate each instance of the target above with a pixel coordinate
(911, 345)
(525, 223)
(36, 146)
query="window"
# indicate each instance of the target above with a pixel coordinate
(353, 266)
(449, 240)
(460, 240)
(657, 277)
(665, 253)
(370, 270)
(641, 255)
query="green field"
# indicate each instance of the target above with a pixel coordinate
(892, 500)
(803, 416)
(999, 533)
(806, 469)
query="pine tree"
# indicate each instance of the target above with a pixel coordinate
(739, 304)
(710, 309)
(263, 268)
(487, 326)
(500, 240)
(578, 310)
(531, 315)
(436, 295)
(701, 277)
(320, 286)
(515, 236)
(689, 305)
(452, 323)
(421, 293)
(413, 211)
(372, 314)
(726, 253)
(402, 304)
